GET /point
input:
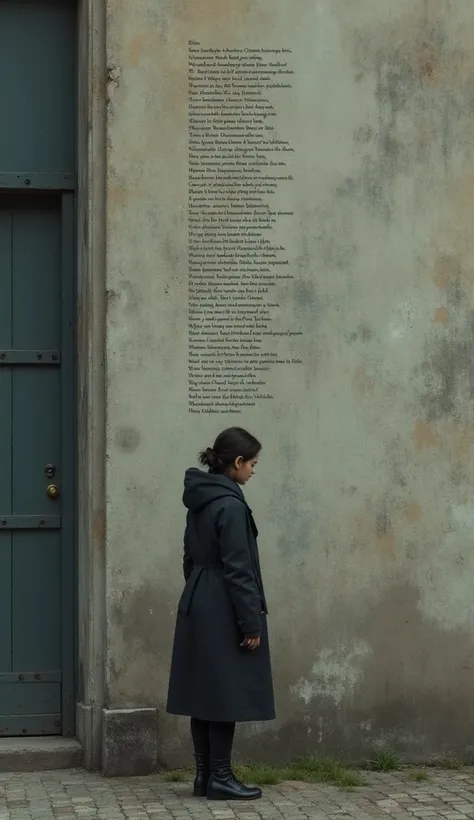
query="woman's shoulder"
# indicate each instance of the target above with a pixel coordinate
(231, 506)
(232, 502)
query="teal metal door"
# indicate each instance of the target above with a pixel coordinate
(36, 464)
(37, 183)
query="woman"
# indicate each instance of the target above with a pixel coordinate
(220, 672)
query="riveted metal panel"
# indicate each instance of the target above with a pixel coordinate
(36, 440)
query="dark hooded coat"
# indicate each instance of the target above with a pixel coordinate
(212, 677)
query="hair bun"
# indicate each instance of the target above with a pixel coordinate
(208, 457)
(229, 445)
(211, 456)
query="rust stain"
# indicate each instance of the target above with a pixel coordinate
(464, 192)
(428, 65)
(424, 436)
(417, 34)
(446, 270)
(142, 45)
(459, 439)
(440, 316)
(135, 49)
(362, 381)
(121, 196)
(386, 544)
(383, 543)
(413, 511)
(446, 70)
(453, 269)
(98, 529)
(464, 442)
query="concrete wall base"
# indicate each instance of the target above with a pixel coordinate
(89, 734)
(129, 742)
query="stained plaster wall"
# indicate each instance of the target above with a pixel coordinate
(364, 492)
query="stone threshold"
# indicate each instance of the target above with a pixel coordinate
(30, 754)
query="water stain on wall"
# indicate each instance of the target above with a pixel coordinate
(362, 381)
(424, 435)
(127, 439)
(441, 316)
(423, 95)
(380, 675)
(447, 373)
(388, 685)
(413, 511)
(335, 674)
(141, 619)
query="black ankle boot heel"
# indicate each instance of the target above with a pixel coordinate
(223, 785)
(202, 776)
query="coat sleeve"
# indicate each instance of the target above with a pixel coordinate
(238, 570)
(188, 562)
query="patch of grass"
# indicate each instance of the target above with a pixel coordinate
(309, 770)
(260, 774)
(385, 760)
(326, 770)
(451, 763)
(419, 776)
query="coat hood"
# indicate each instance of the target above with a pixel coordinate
(201, 488)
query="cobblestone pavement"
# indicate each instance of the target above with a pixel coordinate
(79, 795)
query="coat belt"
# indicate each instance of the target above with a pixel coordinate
(191, 583)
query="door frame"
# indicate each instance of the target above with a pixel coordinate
(62, 187)
(93, 78)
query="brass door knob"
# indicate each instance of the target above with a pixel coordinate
(53, 491)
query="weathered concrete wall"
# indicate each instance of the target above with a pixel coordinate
(364, 493)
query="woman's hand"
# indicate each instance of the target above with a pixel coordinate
(250, 643)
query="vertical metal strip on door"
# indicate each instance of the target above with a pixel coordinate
(5, 445)
(68, 456)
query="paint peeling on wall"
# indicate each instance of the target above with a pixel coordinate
(335, 674)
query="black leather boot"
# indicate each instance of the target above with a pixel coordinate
(202, 775)
(223, 785)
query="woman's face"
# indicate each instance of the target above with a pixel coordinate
(243, 470)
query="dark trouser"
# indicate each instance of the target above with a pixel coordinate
(213, 739)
